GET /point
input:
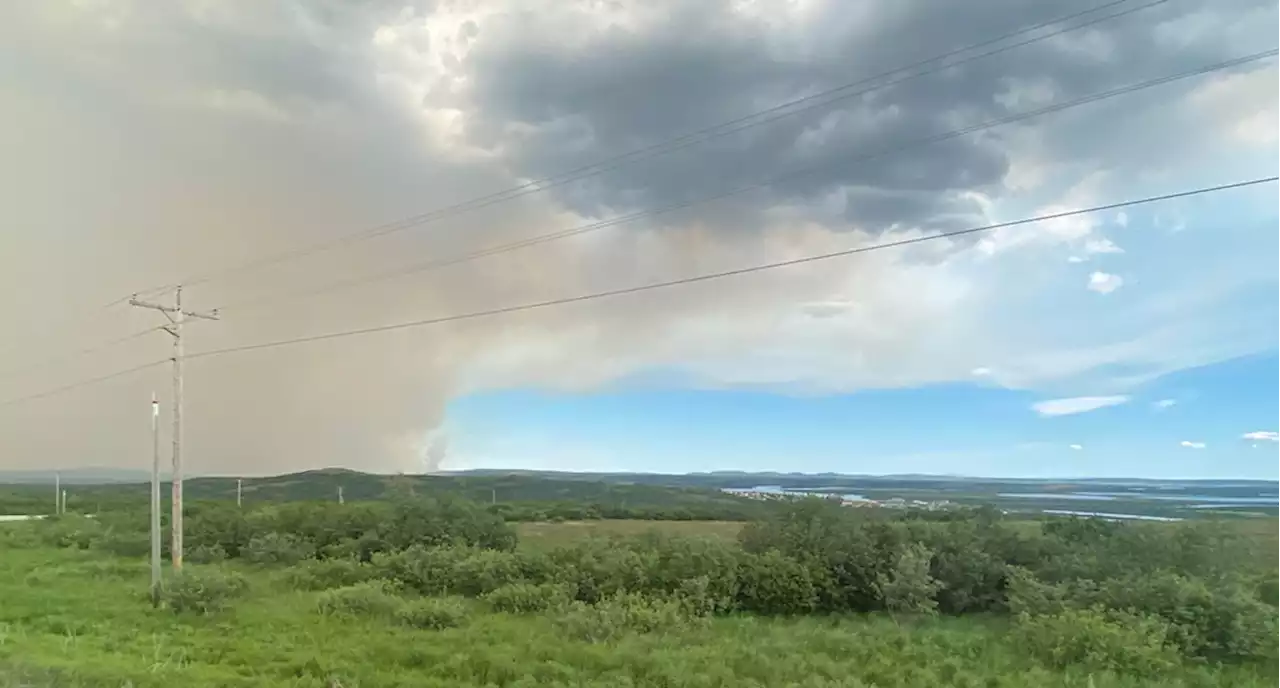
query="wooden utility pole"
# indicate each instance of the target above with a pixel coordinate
(155, 501)
(176, 317)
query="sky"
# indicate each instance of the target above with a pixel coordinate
(231, 146)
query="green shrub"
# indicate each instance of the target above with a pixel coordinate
(698, 596)
(202, 591)
(428, 570)
(206, 554)
(622, 613)
(433, 613)
(71, 530)
(907, 586)
(278, 548)
(1098, 640)
(599, 568)
(325, 574)
(1267, 586)
(371, 598)
(20, 535)
(1225, 621)
(1029, 595)
(125, 544)
(482, 571)
(773, 583)
(526, 598)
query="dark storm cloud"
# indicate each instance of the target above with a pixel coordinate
(148, 141)
(610, 90)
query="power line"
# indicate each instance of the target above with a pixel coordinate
(583, 229)
(656, 285)
(82, 383)
(728, 273)
(772, 114)
(80, 352)
(87, 315)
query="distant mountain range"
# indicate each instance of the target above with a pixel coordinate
(106, 476)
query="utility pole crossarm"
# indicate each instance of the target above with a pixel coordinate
(153, 306)
(211, 315)
(177, 316)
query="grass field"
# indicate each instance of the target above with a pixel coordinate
(76, 618)
(565, 608)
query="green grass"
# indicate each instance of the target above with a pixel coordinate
(543, 534)
(77, 618)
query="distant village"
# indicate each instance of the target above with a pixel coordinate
(771, 493)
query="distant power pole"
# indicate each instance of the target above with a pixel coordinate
(340, 500)
(57, 493)
(176, 317)
(239, 487)
(155, 501)
(63, 508)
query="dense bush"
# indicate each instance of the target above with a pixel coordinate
(278, 548)
(427, 570)
(327, 573)
(773, 583)
(1204, 592)
(71, 530)
(526, 598)
(206, 554)
(371, 598)
(1119, 642)
(907, 586)
(433, 613)
(124, 543)
(623, 612)
(202, 591)
(1221, 622)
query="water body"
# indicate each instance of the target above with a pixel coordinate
(1110, 517)
(1263, 500)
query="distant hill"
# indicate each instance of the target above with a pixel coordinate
(512, 490)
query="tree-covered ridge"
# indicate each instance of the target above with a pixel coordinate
(515, 496)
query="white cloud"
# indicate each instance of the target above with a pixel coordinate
(1265, 435)
(416, 99)
(1122, 219)
(1097, 246)
(1102, 245)
(1192, 445)
(980, 372)
(1076, 447)
(1073, 405)
(1105, 283)
(1164, 404)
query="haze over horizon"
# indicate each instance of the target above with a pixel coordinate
(148, 143)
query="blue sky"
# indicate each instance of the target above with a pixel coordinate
(1202, 272)
(967, 429)
(255, 178)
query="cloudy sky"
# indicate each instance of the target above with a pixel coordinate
(152, 143)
